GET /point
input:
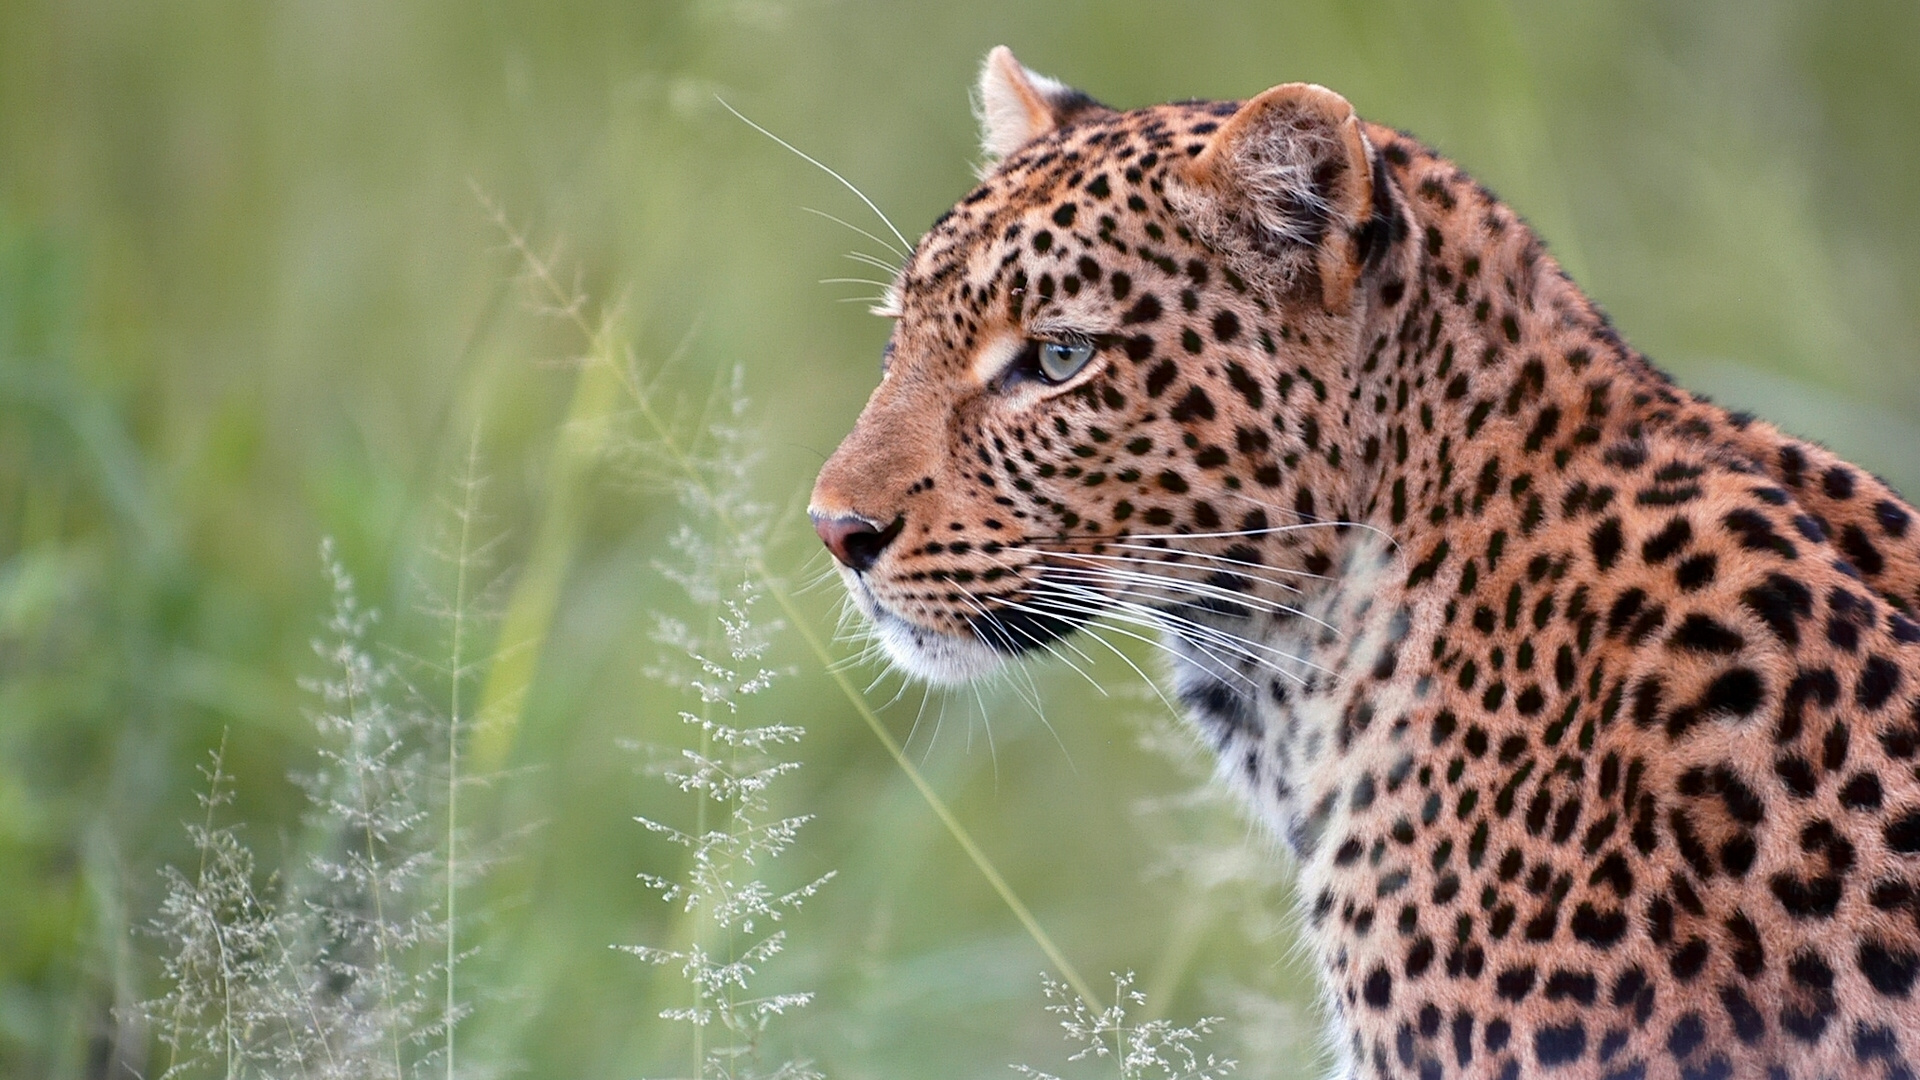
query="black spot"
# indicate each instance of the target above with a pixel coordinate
(1797, 774)
(1686, 1035)
(1781, 603)
(1702, 633)
(1379, 988)
(1161, 377)
(1514, 984)
(1793, 463)
(1737, 690)
(1879, 680)
(1606, 542)
(1498, 1032)
(1891, 971)
(1861, 793)
(1893, 517)
(1625, 608)
(1577, 985)
(1877, 1041)
(1838, 482)
(1560, 1044)
(1628, 986)
(1748, 1025)
(1716, 1067)
(1749, 955)
(1696, 572)
(1903, 834)
(1807, 1025)
(1859, 549)
(1667, 542)
(1219, 702)
(1738, 853)
(1813, 898)
(1244, 384)
(1756, 533)
(1145, 309)
(1196, 404)
(1691, 957)
(1226, 327)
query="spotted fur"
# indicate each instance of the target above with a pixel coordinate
(1590, 711)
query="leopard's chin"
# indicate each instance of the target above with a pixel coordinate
(922, 653)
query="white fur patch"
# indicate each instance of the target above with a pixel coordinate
(1013, 104)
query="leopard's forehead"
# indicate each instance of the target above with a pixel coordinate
(1074, 193)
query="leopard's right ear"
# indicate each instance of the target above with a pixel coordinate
(1016, 106)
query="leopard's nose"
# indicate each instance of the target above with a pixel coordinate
(854, 540)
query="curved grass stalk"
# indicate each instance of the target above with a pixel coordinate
(602, 351)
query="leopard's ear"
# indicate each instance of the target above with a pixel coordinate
(1291, 174)
(1016, 106)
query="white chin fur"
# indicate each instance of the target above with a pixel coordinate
(927, 655)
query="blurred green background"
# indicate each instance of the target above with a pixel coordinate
(249, 299)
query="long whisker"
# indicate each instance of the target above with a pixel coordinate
(1060, 606)
(1180, 559)
(881, 240)
(1093, 631)
(877, 264)
(1144, 586)
(1209, 557)
(848, 184)
(1092, 605)
(1225, 534)
(1196, 633)
(1181, 585)
(981, 609)
(993, 755)
(926, 695)
(852, 281)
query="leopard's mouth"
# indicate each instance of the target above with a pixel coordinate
(997, 630)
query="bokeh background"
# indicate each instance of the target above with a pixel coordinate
(248, 299)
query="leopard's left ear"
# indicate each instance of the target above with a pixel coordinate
(1291, 175)
(1016, 105)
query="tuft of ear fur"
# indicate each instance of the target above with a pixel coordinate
(1290, 175)
(1016, 106)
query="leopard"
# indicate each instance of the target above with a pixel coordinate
(1586, 711)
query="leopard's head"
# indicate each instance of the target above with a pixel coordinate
(1121, 378)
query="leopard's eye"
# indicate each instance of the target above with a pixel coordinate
(1062, 360)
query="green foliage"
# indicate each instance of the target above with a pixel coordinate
(330, 969)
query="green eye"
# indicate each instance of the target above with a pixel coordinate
(1062, 360)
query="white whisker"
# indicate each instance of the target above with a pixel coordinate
(878, 264)
(1180, 559)
(848, 184)
(882, 241)
(852, 281)
(1195, 633)
(1180, 585)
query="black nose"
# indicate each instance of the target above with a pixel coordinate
(854, 540)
